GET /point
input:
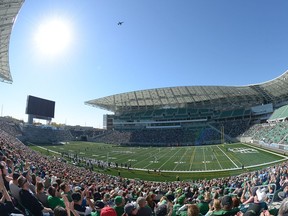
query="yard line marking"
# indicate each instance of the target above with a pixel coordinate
(199, 171)
(192, 158)
(169, 159)
(148, 152)
(228, 157)
(204, 159)
(180, 159)
(45, 148)
(217, 159)
(163, 155)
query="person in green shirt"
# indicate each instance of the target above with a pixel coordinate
(119, 205)
(66, 191)
(202, 205)
(178, 205)
(53, 200)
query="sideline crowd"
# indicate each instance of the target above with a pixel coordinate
(33, 184)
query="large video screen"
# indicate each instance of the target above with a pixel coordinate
(40, 107)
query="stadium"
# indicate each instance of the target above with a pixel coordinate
(186, 146)
(195, 115)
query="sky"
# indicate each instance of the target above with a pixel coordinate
(161, 43)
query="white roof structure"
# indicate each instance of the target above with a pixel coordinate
(217, 97)
(9, 10)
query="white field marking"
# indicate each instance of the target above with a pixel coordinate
(132, 160)
(95, 155)
(180, 161)
(216, 170)
(252, 146)
(204, 160)
(146, 153)
(169, 158)
(228, 157)
(192, 158)
(200, 171)
(159, 153)
(243, 150)
(123, 152)
(154, 161)
(46, 149)
(82, 152)
(217, 160)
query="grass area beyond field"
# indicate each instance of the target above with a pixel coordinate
(191, 162)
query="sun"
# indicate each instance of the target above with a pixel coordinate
(53, 36)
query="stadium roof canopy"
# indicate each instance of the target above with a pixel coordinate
(8, 13)
(217, 97)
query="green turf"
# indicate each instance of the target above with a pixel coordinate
(197, 162)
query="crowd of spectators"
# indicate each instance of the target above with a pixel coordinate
(33, 184)
(203, 134)
(273, 132)
(11, 125)
(37, 134)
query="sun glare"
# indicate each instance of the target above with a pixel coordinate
(53, 36)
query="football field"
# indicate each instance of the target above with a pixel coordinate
(173, 159)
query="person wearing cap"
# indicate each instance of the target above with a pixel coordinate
(179, 203)
(202, 205)
(226, 207)
(29, 200)
(99, 205)
(108, 211)
(130, 209)
(106, 200)
(119, 205)
(162, 210)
